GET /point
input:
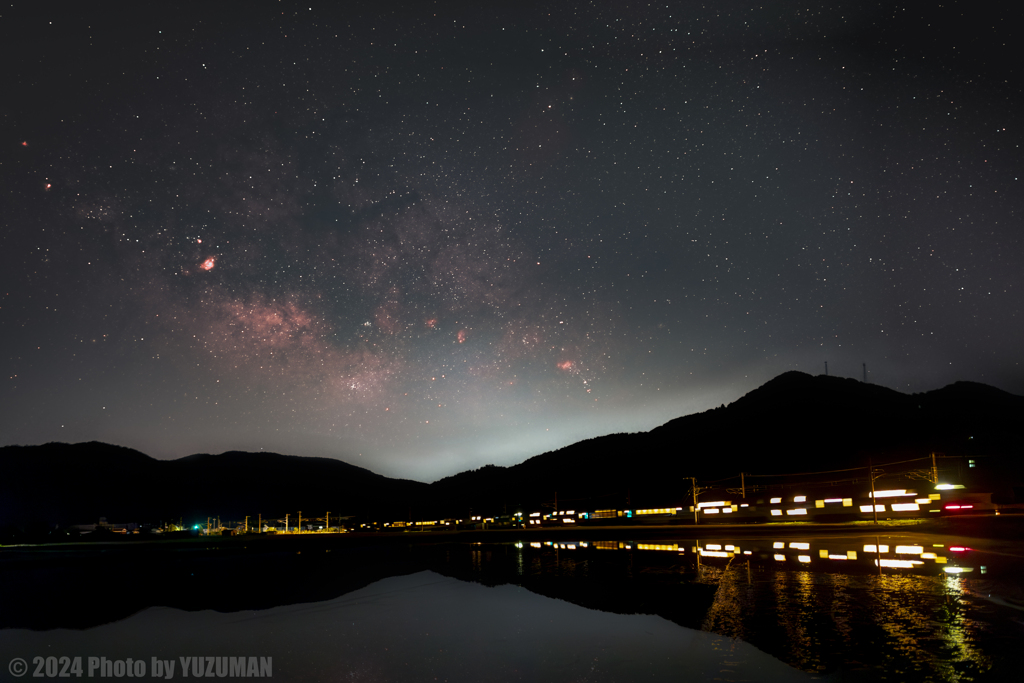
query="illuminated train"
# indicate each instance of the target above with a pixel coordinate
(829, 505)
(822, 504)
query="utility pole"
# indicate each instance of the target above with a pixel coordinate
(247, 524)
(328, 524)
(693, 484)
(935, 470)
(286, 521)
(743, 486)
(826, 368)
(260, 527)
(207, 526)
(871, 476)
(300, 521)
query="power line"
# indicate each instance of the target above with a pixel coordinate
(848, 469)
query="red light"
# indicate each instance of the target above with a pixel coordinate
(952, 507)
(958, 549)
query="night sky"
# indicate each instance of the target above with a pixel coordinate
(422, 237)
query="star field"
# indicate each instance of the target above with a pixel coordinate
(423, 237)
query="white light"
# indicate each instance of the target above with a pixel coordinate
(900, 564)
(874, 549)
(713, 546)
(909, 550)
(778, 544)
(833, 500)
(714, 553)
(776, 500)
(797, 511)
(838, 557)
(799, 499)
(891, 493)
(957, 570)
(780, 558)
(804, 558)
(727, 510)
(800, 546)
(867, 508)
(776, 513)
(948, 487)
(711, 511)
(905, 507)
(716, 504)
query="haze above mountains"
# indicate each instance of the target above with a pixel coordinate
(793, 423)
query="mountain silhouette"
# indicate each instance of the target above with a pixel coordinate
(794, 423)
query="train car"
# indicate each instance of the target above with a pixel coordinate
(829, 504)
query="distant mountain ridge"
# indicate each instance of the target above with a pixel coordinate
(795, 422)
(79, 483)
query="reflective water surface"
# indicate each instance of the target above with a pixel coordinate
(911, 608)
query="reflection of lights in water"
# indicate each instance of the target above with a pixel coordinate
(658, 546)
(920, 626)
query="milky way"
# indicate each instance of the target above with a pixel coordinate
(425, 239)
